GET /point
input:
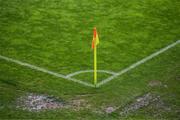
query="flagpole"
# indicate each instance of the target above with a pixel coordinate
(95, 66)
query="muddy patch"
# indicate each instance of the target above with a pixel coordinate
(154, 83)
(79, 104)
(148, 100)
(36, 102)
(139, 103)
(109, 110)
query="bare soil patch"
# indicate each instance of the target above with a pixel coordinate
(37, 102)
(144, 101)
(154, 83)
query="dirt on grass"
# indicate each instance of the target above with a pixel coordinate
(148, 99)
(37, 102)
(154, 83)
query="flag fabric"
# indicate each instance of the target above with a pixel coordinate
(95, 40)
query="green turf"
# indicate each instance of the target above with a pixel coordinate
(57, 35)
(88, 77)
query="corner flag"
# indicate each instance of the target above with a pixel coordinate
(95, 42)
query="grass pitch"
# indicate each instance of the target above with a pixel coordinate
(57, 35)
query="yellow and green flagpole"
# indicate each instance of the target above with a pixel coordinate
(95, 65)
(95, 42)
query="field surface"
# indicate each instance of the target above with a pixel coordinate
(56, 35)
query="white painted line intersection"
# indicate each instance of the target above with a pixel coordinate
(69, 76)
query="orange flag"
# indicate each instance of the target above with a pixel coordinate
(95, 40)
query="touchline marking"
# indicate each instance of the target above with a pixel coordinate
(86, 71)
(138, 63)
(44, 70)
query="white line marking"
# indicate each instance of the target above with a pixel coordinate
(114, 75)
(138, 63)
(86, 71)
(44, 70)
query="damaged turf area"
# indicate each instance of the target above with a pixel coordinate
(39, 102)
(142, 102)
(35, 102)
